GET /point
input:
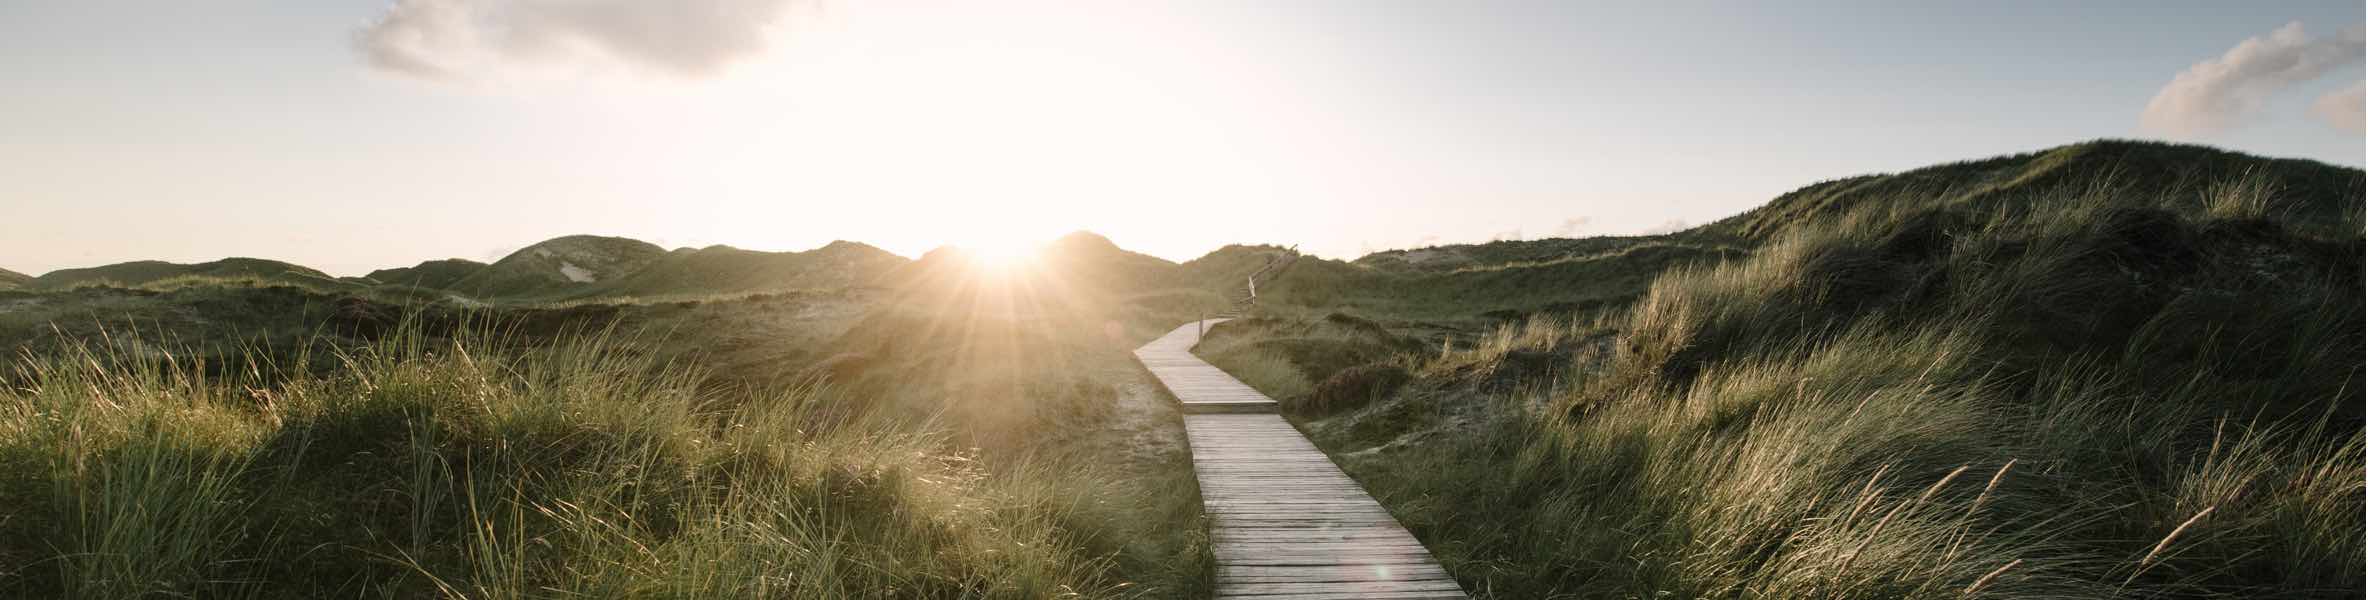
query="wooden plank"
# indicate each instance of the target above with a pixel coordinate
(1285, 523)
(1349, 595)
(1199, 387)
(1359, 573)
(1296, 587)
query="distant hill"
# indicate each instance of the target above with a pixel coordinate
(1089, 256)
(1227, 267)
(2176, 177)
(559, 267)
(727, 270)
(146, 272)
(1079, 261)
(583, 267)
(1439, 259)
(439, 274)
(1509, 278)
(571, 268)
(1492, 280)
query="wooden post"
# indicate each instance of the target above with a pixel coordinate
(1201, 326)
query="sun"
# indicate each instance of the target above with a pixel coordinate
(1001, 252)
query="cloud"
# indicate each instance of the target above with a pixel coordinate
(2343, 108)
(1510, 235)
(2218, 94)
(1666, 227)
(469, 39)
(1571, 227)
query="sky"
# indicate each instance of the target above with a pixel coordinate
(355, 135)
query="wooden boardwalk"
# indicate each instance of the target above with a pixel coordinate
(1284, 522)
(1211, 390)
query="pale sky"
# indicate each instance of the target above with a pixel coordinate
(354, 135)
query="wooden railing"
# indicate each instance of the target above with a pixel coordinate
(1249, 291)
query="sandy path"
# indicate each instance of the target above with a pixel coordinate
(1155, 429)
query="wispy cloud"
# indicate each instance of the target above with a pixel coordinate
(1572, 227)
(1666, 227)
(2219, 94)
(2343, 108)
(468, 39)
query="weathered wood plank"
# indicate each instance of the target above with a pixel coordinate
(1351, 595)
(1284, 522)
(1201, 388)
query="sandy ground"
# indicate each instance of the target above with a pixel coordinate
(1146, 411)
(577, 274)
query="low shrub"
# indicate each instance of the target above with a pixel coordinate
(1351, 388)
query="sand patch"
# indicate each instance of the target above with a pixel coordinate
(577, 274)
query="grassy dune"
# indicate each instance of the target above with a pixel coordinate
(2097, 389)
(478, 467)
(955, 437)
(138, 273)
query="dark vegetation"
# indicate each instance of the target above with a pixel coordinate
(551, 268)
(2111, 369)
(153, 272)
(1288, 357)
(565, 270)
(435, 274)
(221, 325)
(724, 270)
(1477, 290)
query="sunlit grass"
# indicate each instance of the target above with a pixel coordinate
(967, 446)
(472, 468)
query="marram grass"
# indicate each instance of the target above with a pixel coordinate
(2100, 391)
(487, 468)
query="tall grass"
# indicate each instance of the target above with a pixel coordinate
(1289, 360)
(1272, 374)
(1885, 466)
(479, 467)
(2090, 393)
